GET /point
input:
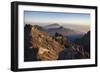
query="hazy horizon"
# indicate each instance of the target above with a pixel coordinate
(76, 21)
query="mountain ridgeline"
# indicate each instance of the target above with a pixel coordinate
(71, 34)
(85, 41)
(52, 43)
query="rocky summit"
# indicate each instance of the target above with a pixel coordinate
(40, 45)
(48, 48)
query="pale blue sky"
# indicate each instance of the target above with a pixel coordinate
(53, 17)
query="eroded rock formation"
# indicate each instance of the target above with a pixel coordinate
(48, 48)
(43, 46)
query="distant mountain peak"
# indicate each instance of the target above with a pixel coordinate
(55, 25)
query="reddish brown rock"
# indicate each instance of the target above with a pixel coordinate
(48, 48)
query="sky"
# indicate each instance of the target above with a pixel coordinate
(81, 20)
(53, 17)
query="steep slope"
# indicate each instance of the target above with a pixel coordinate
(29, 53)
(85, 41)
(71, 50)
(40, 45)
(48, 48)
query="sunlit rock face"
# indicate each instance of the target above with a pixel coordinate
(48, 48)
(40, 45)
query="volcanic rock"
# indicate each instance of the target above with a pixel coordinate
(48, 48)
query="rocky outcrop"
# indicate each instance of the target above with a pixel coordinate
(29, 52)
(40, 45)
(48, 48)
(71, 50)
(85, 41)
